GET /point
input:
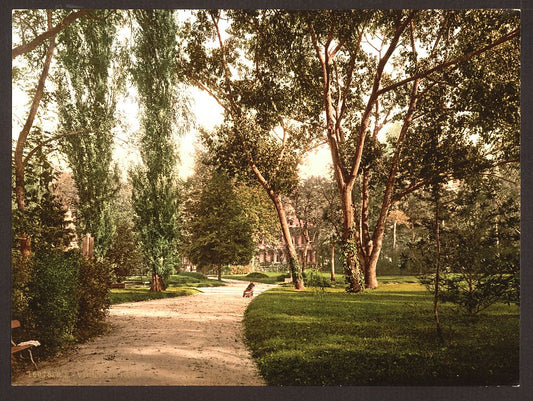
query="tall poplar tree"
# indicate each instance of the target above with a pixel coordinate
(87, 104)
(155, 194)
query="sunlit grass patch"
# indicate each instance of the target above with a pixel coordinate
(119, 296)
(381, 337)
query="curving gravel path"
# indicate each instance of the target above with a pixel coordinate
(191, 340)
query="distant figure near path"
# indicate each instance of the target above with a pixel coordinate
(191, 340)
(249, 291)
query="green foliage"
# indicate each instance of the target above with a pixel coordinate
(297, 338)
(119, 296)
(53, 291)
(155, 205)
(475, 292)
(43, 219)
(256, 275)
(271, 278)
(313, 278)
(220, 231)
(265, 133)
(124, 255)
(93, 300)
(259, 211)
(196, 275)
(155, 194)
(480, 245)
(86, 97)
(59, 297)
(21, 275)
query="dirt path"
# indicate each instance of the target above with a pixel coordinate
(192, 340)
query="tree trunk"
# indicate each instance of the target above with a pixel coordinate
(20, 190)
(351, 265)
(332, 264)
(394, 238)
(305, 235)
(157, 283)
(368, 259)
(437, 266)
(292, 256)
(51, 32)
(219, 273)
(25, 246)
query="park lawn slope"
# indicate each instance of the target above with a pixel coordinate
(178, 285)
(122, 295)
(259, 277)
(382, 337)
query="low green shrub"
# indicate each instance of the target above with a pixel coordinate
(313, 278)
(118, 296)
(21, 272)
(93, 298)
(256, 275)
(53, 303)
(197, 275)
(59, 297)
(474, 292)
(282, 277)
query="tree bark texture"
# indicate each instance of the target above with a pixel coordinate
(332, 264)
(292, 256)
(351, 239)
(437, 266)
(157, 284)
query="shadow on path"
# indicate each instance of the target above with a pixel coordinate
(191, 340)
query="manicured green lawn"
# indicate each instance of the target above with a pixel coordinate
(119, 295)
(382, 337)
(178, 285)
(272, 277)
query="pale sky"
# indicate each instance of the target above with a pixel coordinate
(208, 114)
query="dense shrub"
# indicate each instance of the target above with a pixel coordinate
(474, 293)
(20, 293)
(197, 275)
(313, 278)
(53, 289)
(256, 275)
(93, 297)
(59, 297)
(283, 276)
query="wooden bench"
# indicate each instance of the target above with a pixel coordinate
(16, 348)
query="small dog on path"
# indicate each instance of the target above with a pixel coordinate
(249, 291)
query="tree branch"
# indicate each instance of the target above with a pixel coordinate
(453, 62)
(54, 138)
(375, 91)
(210, 92)
(20, 191)
(69, 19)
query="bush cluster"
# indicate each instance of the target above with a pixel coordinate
(256, 275)
(313, 278)
(197, 275)
(59, 297)
(93, 297)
